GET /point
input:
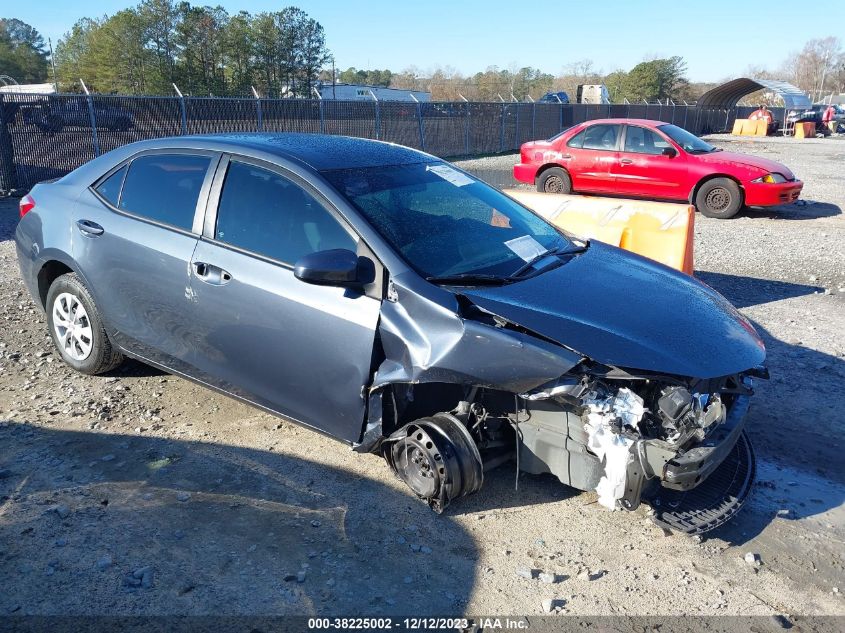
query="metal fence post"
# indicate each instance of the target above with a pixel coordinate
(466, 131)
(516, 135)
(422, 127)
(8, 173)
(560, 107)
(502, 137)
(322, 117)
(258, 114)
(183, 109)
(93, 118)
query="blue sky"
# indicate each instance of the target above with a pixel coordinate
(719, 39)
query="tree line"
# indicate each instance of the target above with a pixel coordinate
(649, 80)
(23, 54)
(201, 49)
(206, 51)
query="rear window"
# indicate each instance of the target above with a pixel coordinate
(109, 189)
(164, 188)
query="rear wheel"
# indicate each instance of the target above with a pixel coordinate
(554, 180)
(76, 328)
(719, 198)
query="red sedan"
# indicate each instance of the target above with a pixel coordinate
(652, 159)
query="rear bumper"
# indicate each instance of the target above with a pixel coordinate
(26, 265)
(766, 195)
(525, 173)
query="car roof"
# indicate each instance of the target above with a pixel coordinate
(643, 122)
(321, 152)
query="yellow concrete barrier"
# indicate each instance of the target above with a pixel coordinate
(659, 230)
(750, 127)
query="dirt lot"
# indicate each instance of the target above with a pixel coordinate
(141, 493)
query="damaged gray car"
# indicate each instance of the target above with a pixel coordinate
(381, 296)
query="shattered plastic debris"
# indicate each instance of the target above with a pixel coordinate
(625, 405)
(610, 447)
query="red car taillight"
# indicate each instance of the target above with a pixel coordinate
(26, 204)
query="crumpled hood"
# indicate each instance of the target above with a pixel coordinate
(745, 160)
(624, 310)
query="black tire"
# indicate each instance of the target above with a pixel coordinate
(554, 180)
(719, 198)
(102, 356)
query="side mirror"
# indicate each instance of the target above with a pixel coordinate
(335, 267)
(671, 152)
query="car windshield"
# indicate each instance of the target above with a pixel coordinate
(689, 142)
(445, 223)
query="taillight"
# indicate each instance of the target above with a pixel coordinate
(26, 204)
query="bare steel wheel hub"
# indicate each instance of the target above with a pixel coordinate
(72, 326)
(718, 199)
(437, 458)
(553, 184)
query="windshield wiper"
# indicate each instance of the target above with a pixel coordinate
(469, 279)
(556, 250)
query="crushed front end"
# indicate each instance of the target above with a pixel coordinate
(675, 444)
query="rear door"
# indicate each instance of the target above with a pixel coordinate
(641, 169)
(301, 350)
(135, 233)
(589, 156)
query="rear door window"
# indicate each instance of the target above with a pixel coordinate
(109, 189)
(265, 213)
(165, 188)
(601, 136)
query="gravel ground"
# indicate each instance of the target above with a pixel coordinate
(141, 493)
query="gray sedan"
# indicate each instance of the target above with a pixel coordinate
(388, 299)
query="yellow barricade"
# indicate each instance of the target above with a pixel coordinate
(658, 230)
(750, 127)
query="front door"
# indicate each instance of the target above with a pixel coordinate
(301, 350)
(643, 170)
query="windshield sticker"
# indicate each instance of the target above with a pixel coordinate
(451, 175)
(526, 247)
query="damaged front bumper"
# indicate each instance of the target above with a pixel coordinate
(693, 485)
(686, 470)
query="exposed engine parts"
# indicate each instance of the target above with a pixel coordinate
(629, 438)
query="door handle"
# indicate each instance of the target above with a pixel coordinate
(89, 228)
(566, 156)
(210, 274)
(625, 161)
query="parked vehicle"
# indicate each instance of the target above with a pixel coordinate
(554, 97)
(592, 93)
(651, 159)
(384, 297)
(53, 115)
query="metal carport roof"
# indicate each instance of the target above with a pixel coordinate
(728, 94)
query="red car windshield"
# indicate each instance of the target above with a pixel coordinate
(689, 142)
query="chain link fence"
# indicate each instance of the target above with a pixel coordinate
(46, 136)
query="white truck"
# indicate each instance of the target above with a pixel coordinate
(592, 93)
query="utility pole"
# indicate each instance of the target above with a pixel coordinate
(53, 64)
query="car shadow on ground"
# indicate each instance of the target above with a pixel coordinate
(795, 428)
(225, 530)
(800, 210)
(743, 291)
